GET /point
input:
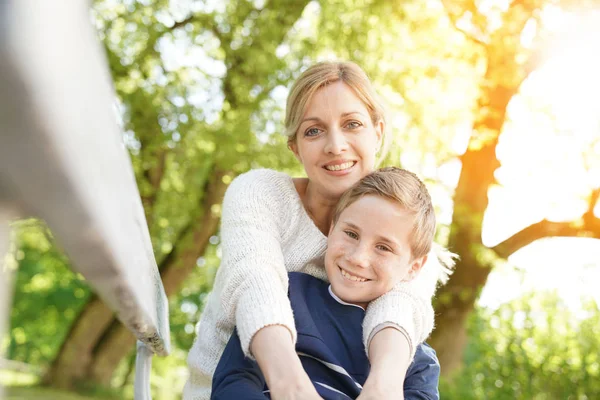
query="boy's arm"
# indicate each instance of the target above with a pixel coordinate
(237, 376)
(423, 376)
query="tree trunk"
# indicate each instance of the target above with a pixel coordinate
(457, 299)
(71, 363)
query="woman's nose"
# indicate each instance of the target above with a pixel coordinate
(336, 142)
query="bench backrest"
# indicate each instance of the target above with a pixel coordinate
(62, 158)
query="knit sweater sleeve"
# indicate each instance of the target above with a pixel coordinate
(252, 280)
(407, 307)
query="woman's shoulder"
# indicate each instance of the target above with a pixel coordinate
(263, 174)
(266, 186)
(261, 181)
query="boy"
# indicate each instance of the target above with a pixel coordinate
(381, 233)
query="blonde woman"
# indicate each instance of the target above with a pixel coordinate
(273, 224)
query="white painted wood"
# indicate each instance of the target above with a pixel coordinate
(62, 157)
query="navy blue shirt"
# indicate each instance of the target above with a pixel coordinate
(331, 350)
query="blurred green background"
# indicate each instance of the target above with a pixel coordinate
(493, 103)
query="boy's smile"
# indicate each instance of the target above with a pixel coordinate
(369, 250)
(353, 278)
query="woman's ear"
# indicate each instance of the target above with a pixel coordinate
(293, 146)
(379, 129)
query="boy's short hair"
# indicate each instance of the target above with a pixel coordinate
(405, 188)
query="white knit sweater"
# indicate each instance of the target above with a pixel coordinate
(266, 233)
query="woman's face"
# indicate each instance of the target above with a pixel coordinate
(336, 141)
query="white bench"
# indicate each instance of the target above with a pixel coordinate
(62, 159)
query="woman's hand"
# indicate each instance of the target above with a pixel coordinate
(389, 353)
(374, 390)
(273, 348)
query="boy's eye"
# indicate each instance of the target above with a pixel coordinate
(312, 132)
(351, 234)
(383, 247)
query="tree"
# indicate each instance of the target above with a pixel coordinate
(507, 65)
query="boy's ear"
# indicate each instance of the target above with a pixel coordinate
(415, 267)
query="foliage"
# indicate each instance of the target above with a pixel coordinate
(47, 298)
(531, 348)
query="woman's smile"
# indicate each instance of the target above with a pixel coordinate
(341, 167)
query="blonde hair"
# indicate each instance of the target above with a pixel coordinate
(326, 73)
(405, 188)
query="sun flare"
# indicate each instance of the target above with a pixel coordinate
(550, 156)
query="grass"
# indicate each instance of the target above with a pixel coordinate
(24, 386)
(37, 393)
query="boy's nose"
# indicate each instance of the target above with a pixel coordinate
(359, 257)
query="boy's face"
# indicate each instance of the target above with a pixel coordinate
(368, 250)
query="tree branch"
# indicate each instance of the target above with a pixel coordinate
(182, 260)
(545, 228)
(182, 23)
(594, 196)
(589, 219)
(205, 19)
(454, 20)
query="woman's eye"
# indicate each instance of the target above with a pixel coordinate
(351, 234)
(353, 125)
(312, 132)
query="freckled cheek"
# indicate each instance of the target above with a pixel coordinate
(383, 272)
(334, 252)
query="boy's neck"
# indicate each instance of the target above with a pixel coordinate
(348, 303)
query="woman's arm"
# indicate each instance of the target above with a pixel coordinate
(280, 365)
(390, 356)
(253, 280)
(396, 323)
(386, 382)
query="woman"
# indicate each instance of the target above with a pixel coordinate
(273, 224)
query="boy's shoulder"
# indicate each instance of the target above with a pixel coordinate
(426, 351)
(425, 358)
